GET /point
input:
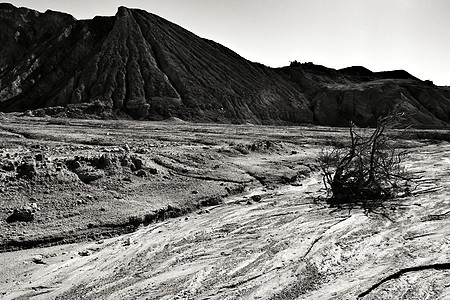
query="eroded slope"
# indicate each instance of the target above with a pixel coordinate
(138, 64)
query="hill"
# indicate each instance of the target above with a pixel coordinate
(136, 64)
(360, 95)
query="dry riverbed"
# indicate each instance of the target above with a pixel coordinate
(217, 212)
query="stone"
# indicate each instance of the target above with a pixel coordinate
(24, 214)
(104, 162)
(138, 162)
(8, 166)
(84, 253)
(125, 161)
(27, 169)
(256, 198)
(38, 259)
(88, 174)
(76, 165)
(141, 173)
(34, 207)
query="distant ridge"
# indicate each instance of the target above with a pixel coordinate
(139, 65)
(362, 72)
(357, 71)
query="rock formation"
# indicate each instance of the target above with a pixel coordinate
(357, 94)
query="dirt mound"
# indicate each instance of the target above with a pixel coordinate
(261, 147)
(175, 120)
(89, 169)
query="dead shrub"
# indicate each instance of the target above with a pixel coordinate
(368, 171)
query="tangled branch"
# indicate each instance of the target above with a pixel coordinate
(369, 171)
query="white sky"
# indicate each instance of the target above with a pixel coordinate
(380, 35)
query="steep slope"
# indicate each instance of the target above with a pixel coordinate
(22, 29)
(48, 53)
(360, 95)
(139, 64)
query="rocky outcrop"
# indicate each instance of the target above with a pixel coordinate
(362, 96)
(363, 103)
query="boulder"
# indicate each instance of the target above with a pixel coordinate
(137, 162)
(256, 198)
(27, 169)
(88, 174)
(24, 214)
(8, 166)
(38, 259)
(141, 173)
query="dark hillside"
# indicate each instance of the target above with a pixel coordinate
(136, 64)
(360, 95)
(142, 65)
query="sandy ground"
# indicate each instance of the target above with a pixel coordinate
(182, 167)
(285, 245)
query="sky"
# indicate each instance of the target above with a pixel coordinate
(381, 35)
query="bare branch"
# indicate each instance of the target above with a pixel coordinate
(369, 171)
